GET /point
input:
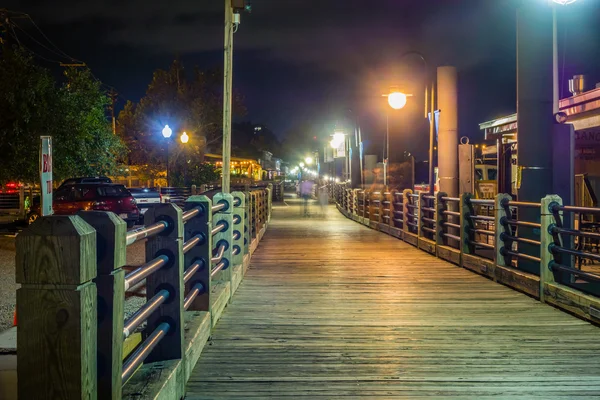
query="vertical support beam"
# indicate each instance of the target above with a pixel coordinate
(440, 207)
(448, 130)
(268, 202)
(57, 309)
(110, 282)
(405, 208)
(227, 96)
(466, 210)
(547, 240)
(422, 203)
(500, 217)
(239, 211)
(201, 224)
(225, 237)
(247, 222)
(170, 277)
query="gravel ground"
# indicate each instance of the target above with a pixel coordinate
(135, 298)
(8, 288)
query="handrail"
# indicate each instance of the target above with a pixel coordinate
(142, 314)
(189, 214)
(218, 228)
(219, 256)
(454, 199)
(511, 203)
(187, 246)
(581, 210)
(145, 232)
(217, 268)
(194, 292)
(191, 271)
(145, 270)
(481, 201)
(218, 207)
(140, 354)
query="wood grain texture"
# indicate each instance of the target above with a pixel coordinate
(331, 309)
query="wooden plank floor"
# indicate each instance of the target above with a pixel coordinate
(331, 309)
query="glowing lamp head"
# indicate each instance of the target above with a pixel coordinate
(301, 165)
(308, 160)
(184, 138)
(167, 132)
(397, 100)
(564, 2)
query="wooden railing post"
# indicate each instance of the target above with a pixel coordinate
(239, 212)
(110, 282)
(269, 199)
(547, 239)
(225, 237)
(170, 278)
(247, 223)
(57, 309)
(420, 213)
(405, 209)
(201, 224)
(440, 206)
(500, 216)
(466, 223)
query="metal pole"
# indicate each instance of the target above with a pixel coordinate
(227, 97)
(555, 94)
(431, 138)
(386, 151)
(168, 185)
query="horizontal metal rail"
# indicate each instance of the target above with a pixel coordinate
(237, 219)
(428, 197)
(451, 236)
(217, 268)
(451, 225)
(483, 232)
(187, 246)
(145, 270)
(194, 292)
(484, 245)
(482, 218)
(386, 202)
(520, 255)
(235, 251)
(398, 212)
(451, 213)
(386, 217)
(189, 214)
(237, 202)
(218, 207)
(511, 203)
(414, 225)
(524, 224)
(572, 232)
(428, 209)
(236, 235)
(582, 254)
(399, 220)
(218, 229)
(586, 275)
(508, 238)
(426, 229)
(455, 199)
(139, 355)
(141, 315)
(145, 232)
(191, 271)
(412, 206)
(399, 205)
(575, 209)
(219, 255)
(413, 195)
(429, 220)
(481, 201)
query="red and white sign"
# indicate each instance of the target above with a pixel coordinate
(46, 174)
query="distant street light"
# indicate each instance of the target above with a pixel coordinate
(184, 138)
(167, 132)
(308, 160)
(301, 165)
(397, 100)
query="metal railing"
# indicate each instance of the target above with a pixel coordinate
(449, 221)
(188, 251)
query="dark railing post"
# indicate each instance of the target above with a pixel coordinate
(405, 202)
(239, 211)
(547, 240)
(269, 199)
(225, 236)
(110, 282)
(501, 227)
(201, 224)
(170, 278)
(467, 225)
(57, 310)
(420, 213)
(247, 223)
(440, 206)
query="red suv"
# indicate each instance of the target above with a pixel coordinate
(69, 199)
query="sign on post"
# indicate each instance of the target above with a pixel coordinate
(46, 175)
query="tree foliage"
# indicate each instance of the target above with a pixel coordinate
(73, 113)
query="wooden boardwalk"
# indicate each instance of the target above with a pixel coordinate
(332, 309)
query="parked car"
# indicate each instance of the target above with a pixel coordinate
(88, 179)
(145, 198)
(68, 200)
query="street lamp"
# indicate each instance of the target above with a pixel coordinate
(397, 100)
(555, 92)
(167, 132)
(184, 139)
(308, 160)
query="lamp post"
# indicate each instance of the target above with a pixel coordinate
(184, 140)
(167, 132)
(556, 85)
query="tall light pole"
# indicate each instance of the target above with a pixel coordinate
(556, 85)
(227, 95)
(185, 139)
(167, 132)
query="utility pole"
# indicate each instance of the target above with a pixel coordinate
(113, 97)
(227, 95)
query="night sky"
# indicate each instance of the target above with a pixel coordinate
(305, 61)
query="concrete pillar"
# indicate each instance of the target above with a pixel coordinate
(448, 130)
(534, 108)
